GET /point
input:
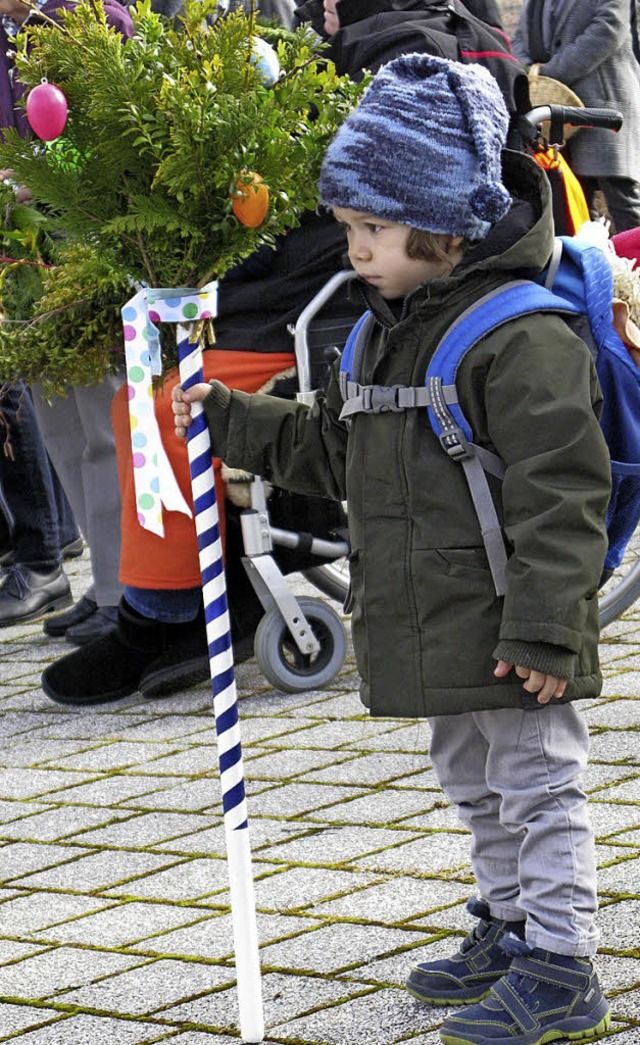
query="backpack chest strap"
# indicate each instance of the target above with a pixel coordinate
(383, 399)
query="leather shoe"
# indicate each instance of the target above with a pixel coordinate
(73, 549)
(56, 627)
(27, 594)
(102, 620)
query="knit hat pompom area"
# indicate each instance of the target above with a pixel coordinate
(423, 148)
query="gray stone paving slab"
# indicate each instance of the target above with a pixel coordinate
(609, 818)
(33, 783)
(335, 845)
(430, 854)
(211, 841)
(63, 822)
(619, 973)
(121, 925)
(190, 795)
(144, 829)
(151, 987)
(426, 780)
(301, 887)
(615, 714)
(283, 998)
(378, 807)
(18, 859)
(393, 971)
(17, 809)
(332, 948)
(628, 791)
(197, 758)
(618, 924)
(333, 735)
(600, 777)
(78, 1030)
(23, 724)
(396, 900)
(380, 1018)
(283, 765)
(628, 1005)
(108, 724)
(615, 746)
(172, 727)
(191, 880)
(369, 769)
(213, 938)
(36, 753)
(95, 871)
(295, 799)
(11, 951)
(24, 915)
(439, 817)
(120, 754)
(15, 1018)
(413, 739)
(47, 974)
(113, 790)
(623, 877)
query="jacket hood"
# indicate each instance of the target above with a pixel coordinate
(523, 239)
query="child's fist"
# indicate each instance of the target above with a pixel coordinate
(182, 400)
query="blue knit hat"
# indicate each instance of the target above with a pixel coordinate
(423, 149)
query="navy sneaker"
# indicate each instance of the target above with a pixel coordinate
(543, 997)
(470, 973)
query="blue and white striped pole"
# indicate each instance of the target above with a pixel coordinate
(156, 489)
(225, 701)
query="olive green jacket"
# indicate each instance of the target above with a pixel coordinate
(427, 624)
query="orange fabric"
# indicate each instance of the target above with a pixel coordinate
(578, 212)
(149, 561)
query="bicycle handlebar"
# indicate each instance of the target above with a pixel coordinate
(574, 116)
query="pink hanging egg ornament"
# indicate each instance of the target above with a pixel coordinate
(47, 110)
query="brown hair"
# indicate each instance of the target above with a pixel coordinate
(430, 246)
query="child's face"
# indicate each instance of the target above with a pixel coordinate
(378, 253)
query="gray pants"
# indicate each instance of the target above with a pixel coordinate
(514, 777)
(77, 432)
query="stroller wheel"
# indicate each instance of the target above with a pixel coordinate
(284, 665)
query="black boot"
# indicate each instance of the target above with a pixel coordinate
(112, 667)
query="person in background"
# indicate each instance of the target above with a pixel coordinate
(76, 428)
(588, 47)
(38, 527)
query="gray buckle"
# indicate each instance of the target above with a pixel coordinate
(378, 399)
(455, 442)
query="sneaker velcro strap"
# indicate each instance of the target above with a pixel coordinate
(547, 972)
(514, 1005)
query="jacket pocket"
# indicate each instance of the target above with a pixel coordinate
(464, 559)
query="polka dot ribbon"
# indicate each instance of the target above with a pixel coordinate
(155, 483)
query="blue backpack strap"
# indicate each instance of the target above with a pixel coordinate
(515, 299)
(352, 351)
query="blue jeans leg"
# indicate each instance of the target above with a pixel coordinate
(27, 483)
(170, 606)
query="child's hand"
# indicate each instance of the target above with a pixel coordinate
(182, 401)
(546, 686)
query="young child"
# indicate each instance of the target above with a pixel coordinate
(436, 216)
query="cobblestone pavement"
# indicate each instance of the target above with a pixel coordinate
(115, 924)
